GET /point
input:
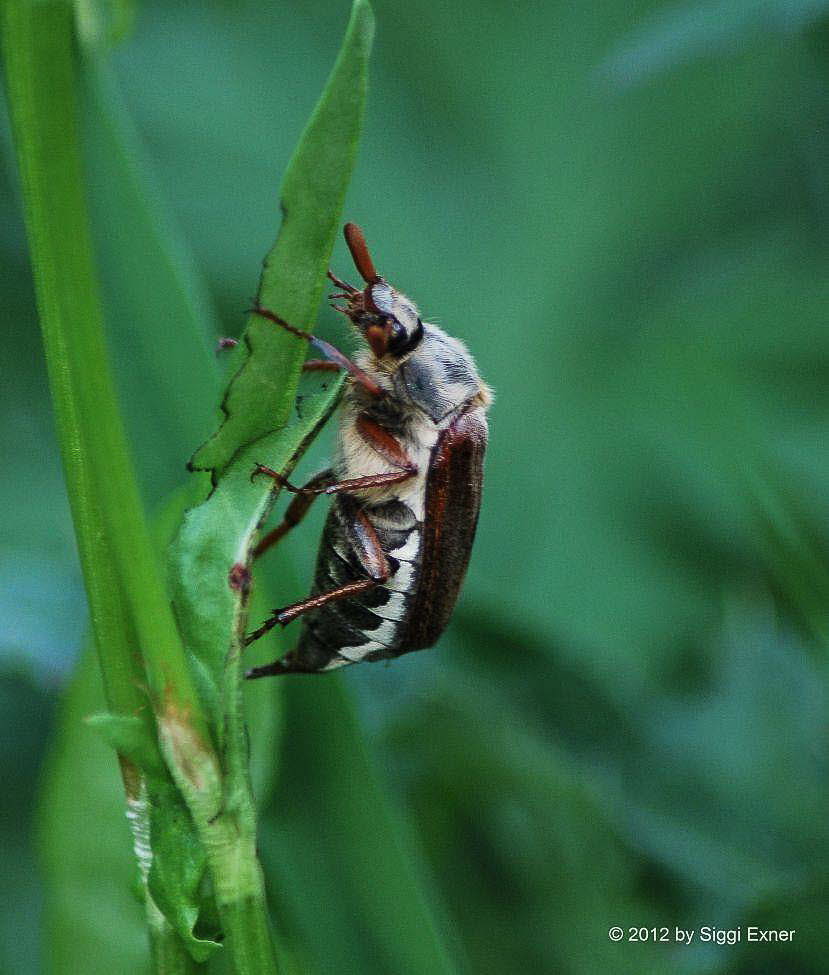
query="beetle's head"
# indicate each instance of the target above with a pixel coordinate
(387, 319)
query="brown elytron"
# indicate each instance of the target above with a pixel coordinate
(453, 500)
(406, 485)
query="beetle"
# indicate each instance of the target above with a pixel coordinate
(406, 484)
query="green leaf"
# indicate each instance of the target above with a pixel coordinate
(178, 866)
(174, 861)
(81, 769)
(127, 734)
(40, 78)
(176, 857)
(219, 534)
(177, 860)
(123, 197)
(121, 578)
(260, 397)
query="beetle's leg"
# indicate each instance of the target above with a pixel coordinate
(341, 284)
(338, 487)
(386, 445)
(381, 440)
(321, 365)
(366, 547)
(327, 349)
(288, 614)
(294, 513)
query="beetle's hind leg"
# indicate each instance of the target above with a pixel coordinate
(287, 665)
(282, 617)
(366, 547)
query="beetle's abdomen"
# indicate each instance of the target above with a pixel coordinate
(366, 626)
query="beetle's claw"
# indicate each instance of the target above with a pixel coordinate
(264, 469)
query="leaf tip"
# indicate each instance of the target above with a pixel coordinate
(362, 21)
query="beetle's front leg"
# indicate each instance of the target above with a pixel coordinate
(321, 365)
(331, 352)
(349, 289)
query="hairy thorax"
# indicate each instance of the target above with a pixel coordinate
(415, 432)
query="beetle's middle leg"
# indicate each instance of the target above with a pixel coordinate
(294, 513)
(365, 545)
(383, 443)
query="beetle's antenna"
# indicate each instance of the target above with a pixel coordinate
(359, 252)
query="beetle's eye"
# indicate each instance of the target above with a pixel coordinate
(397, 336)
(402, 342)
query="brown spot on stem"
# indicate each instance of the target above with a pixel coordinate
(239, 578)
(130, 776)
(226, 343)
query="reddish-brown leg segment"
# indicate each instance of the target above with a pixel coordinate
(294, 513)
(338, 487)
(320, 365)
(348, 288)
(328, 350)
(378, 438)
(384, 444)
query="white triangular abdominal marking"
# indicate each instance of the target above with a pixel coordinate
(356, 654)
(393, 609)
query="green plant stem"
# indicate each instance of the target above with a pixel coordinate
(169, 957)
(239, 889)
(248, 936)
(128, 606)
(109, 519)
(38, 68)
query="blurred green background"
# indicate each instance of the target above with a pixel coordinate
(623, 208)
